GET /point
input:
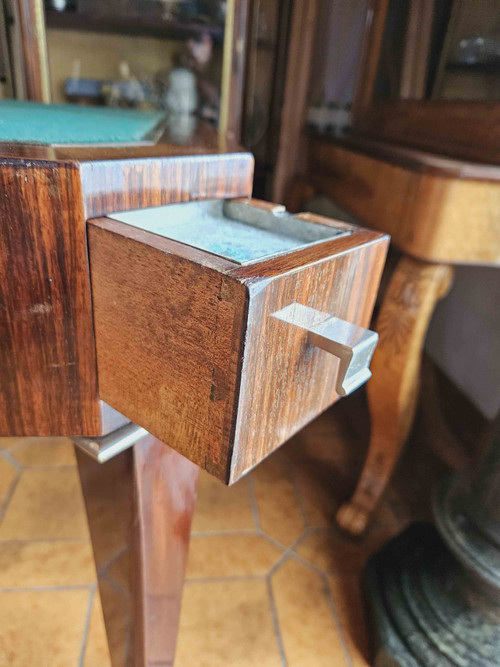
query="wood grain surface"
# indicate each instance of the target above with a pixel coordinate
(469, 130)
(48, 373)
(376, 15)
(407, 308)
(139, 508)
(168, 333)
(35, 66)
(235, 53)
(187, 346)
(48, 379)
(431, 213)
(416, 159)
(416, 49)
(129, 184)
(285, 382)
(296, 89)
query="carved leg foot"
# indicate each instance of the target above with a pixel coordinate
(352, 518)
(413, 292)
(139, 507)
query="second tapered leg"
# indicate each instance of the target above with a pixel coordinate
(139, 506)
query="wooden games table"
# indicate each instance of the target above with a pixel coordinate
(146, 299)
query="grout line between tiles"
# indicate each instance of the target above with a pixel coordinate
(43, 589)
(305, 562)
(55, 466)
(86, 627)
(222, 578)
(289, 551)
(10, 493)
(222, 533)
(336, 620)
(292, 473)
(13, 462)
(272, 540)
(24, 540)
(274, 614)
(253, 502)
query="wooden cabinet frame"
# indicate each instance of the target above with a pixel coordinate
(461, 129)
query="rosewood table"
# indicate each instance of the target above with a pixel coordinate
(146, 299)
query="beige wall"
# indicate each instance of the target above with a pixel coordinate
(464, 336)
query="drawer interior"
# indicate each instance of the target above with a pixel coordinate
(234, 230)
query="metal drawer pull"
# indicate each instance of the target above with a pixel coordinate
(107, 446)
(353, 345)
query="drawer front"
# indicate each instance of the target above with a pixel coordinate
(217, 324)
(286, 380)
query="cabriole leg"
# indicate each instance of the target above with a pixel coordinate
(411, 297)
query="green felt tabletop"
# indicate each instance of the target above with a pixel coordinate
(31, 122)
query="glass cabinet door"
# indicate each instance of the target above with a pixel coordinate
(149, 55)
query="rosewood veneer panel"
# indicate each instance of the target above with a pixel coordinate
(48, 382)
(48, 373)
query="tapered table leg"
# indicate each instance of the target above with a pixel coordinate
(434, 592)
(139, 507)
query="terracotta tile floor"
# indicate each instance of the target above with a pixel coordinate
(270, 580)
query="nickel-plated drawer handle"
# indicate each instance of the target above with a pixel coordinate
(353, 345)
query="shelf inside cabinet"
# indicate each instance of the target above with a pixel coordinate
(148, 24)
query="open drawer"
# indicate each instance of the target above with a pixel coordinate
(223, 327)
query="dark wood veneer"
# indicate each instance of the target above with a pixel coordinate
(48, 382)
(48, 375)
